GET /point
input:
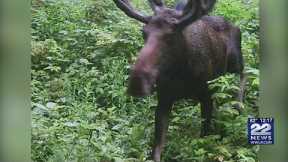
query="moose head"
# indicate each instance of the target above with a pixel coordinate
(162, 33)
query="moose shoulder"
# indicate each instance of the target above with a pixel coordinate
(183, 50)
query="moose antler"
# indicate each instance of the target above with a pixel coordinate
(127, 8)
(156, 5)
(194, 9)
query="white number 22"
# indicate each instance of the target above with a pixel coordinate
(257, 129)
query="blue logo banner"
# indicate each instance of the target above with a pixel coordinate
(260, 131)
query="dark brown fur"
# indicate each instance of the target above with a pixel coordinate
(178, 60)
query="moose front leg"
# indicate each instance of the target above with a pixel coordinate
(206, 112)
(161, 126)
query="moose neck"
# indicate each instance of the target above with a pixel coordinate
(174, 53)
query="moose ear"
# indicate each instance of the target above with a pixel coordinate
(192, 10)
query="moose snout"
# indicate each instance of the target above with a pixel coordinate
(140, 83)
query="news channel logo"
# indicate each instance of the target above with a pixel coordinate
(261, 131)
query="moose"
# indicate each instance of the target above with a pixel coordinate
(184, 49)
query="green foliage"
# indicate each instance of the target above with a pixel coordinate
(81, 52)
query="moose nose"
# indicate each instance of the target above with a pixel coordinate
(140, 84)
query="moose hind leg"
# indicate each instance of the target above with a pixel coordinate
(161, 126)
(240, 96)
(206, 112)
(234, 53)
(236, 62)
